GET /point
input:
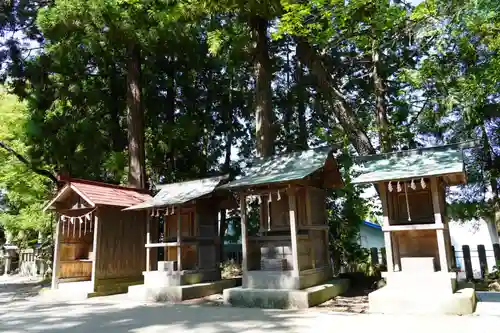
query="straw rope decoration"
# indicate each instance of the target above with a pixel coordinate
(71, 220)
(407, 203)
(413, 186)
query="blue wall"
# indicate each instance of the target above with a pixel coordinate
(371, 235)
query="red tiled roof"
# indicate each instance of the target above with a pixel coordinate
(108, 194)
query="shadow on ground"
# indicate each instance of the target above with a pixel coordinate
(101, 316)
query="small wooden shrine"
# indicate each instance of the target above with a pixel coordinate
(290, 250)
(412, 187)
(189, 239)
(96, 241)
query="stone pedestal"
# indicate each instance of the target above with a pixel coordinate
(156, 279)
(9, 254)
(7, 262)
(420, 289)
(168, 284)
(285, 298)
(157, 289)
(418, 265)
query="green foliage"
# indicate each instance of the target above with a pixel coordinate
(346, 210)
(23, 192)
(398, 75)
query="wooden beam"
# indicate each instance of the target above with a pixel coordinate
(387, 234)
(293, 232)
(168, 244)
(244, 234)
(443, 257)
(179, 239)
(57, 259)
(407, 227)
(148, 241)
(97, 236)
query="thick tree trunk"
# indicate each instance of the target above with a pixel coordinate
(118, 137)
(380, 101)
(301, 107)
(228, 122)
(135, 120)
(263, 93)
(338, 102)
(170, 114)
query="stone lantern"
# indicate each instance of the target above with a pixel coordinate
(9, 252)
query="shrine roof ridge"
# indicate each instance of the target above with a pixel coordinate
(282, 167)
(415, 163)
(181, 192)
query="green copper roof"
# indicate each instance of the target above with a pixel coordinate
(281, 168)
(424, 162)
(180, 193)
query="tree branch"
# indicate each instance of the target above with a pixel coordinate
(23, 160)
(411, 122)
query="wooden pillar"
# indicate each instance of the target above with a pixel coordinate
(97, 236)
(387, 234)
(309, 222)
(55, 264)
(165, 236)
(148, 241)
(443, 258)
(179, 239)
(244, 235)
(395, 252)
(293, 231)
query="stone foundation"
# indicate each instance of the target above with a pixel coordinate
(285, 279)
(419, 289)
(180, 293)
(158, 279)
(285, 299)
(394, 301)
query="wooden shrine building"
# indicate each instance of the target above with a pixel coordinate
(412, 187)
(290, 251)
(189, 214)
(97, 243)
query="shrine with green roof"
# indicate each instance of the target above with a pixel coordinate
(412, 187)
(287, 263)
(189, 239)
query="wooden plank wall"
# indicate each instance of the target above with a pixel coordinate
(74, 246)
(417, 243)
(207, 226)
(121, 252)
(420, 202)
(305, 249)
(317, 201)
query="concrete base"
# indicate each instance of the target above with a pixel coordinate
(285, 299)
(286, 279)
(422, 282)
(157, 279)
(180, 293)
(69, 291)
(396, 301)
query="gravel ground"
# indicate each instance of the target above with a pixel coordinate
(20, 311)
(354, 301)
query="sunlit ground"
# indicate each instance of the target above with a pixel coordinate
(21, 312)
